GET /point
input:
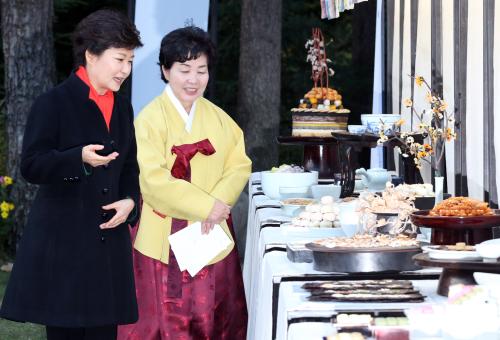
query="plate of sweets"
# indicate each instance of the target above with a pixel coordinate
(458, 251)
(457, 213)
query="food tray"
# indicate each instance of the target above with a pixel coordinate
(363, 260)
(364, 291)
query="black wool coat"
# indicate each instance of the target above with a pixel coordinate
(68, 272)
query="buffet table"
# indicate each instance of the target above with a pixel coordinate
(272, 282)
(267, 267)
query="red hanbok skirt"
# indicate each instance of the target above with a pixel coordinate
(211, 306)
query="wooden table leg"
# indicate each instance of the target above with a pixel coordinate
(450, 277)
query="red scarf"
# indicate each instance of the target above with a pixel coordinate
(104, 102)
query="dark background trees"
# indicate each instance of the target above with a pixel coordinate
(27, 46)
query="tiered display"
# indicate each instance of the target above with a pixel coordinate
(320, 112)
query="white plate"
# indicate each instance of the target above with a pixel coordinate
(440, 254)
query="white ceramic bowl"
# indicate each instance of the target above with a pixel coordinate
(349, 218)
(294, 192)
(349, 229)
(489, 250)
(293, 209)
(372, 121)
(356, 128)
(320, 190)
(487, 279)
(273, 181)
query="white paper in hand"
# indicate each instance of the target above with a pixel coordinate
(193, 250)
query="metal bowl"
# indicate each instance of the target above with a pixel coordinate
(363, 260)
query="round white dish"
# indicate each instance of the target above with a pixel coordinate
(441, 254)
(489, 250)
(273, 181)
(372, 121)
(320, 190)
(359, 129)
(293, 209)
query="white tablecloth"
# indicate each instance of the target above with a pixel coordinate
(262, 268)
(261, 237)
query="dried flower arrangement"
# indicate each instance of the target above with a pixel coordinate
(434, 124)
(320, 96)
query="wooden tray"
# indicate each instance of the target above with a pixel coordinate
(457, 271)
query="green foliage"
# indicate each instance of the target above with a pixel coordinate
(6, 215)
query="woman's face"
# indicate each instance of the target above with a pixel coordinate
(109, 70)
(188, 80)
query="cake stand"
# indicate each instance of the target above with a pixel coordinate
(320, 154)
(452, 229)
(456, 271)
(350, 144)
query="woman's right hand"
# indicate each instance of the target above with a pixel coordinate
(90, 156)
(220, 212)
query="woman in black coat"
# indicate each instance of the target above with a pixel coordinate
(73, 270)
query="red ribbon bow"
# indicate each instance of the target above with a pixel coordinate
(181, 168)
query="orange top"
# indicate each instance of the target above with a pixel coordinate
(104, 102)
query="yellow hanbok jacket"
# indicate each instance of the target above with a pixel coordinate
(221, 176)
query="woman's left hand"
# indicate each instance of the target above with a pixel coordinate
(123, 209)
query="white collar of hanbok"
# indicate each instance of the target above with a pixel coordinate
(187, 117)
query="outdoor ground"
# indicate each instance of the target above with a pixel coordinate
(17, 331)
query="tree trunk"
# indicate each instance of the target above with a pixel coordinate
(260, 80)
(29, 71)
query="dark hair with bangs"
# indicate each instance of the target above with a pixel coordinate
(103, 29)
(184, 44)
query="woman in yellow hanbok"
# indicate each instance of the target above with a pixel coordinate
(193, 167)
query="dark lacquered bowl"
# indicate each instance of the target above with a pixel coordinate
(453, 229)
(427, 202)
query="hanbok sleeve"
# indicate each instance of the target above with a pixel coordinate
(237, 168)
(163, 192)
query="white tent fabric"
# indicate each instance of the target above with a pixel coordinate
(455, 45)
(331, 9)
(448, 84)
(496, 90)
(377, 159)
(474, 106)
(423, 58)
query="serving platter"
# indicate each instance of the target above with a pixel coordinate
(437, 252)
(453, 229)
(364, 291)
(456, 271)
(423, 219)
(363, 260)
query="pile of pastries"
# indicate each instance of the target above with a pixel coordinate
(324, 214)
(461, 206)
(368, 241)
(321, 98)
